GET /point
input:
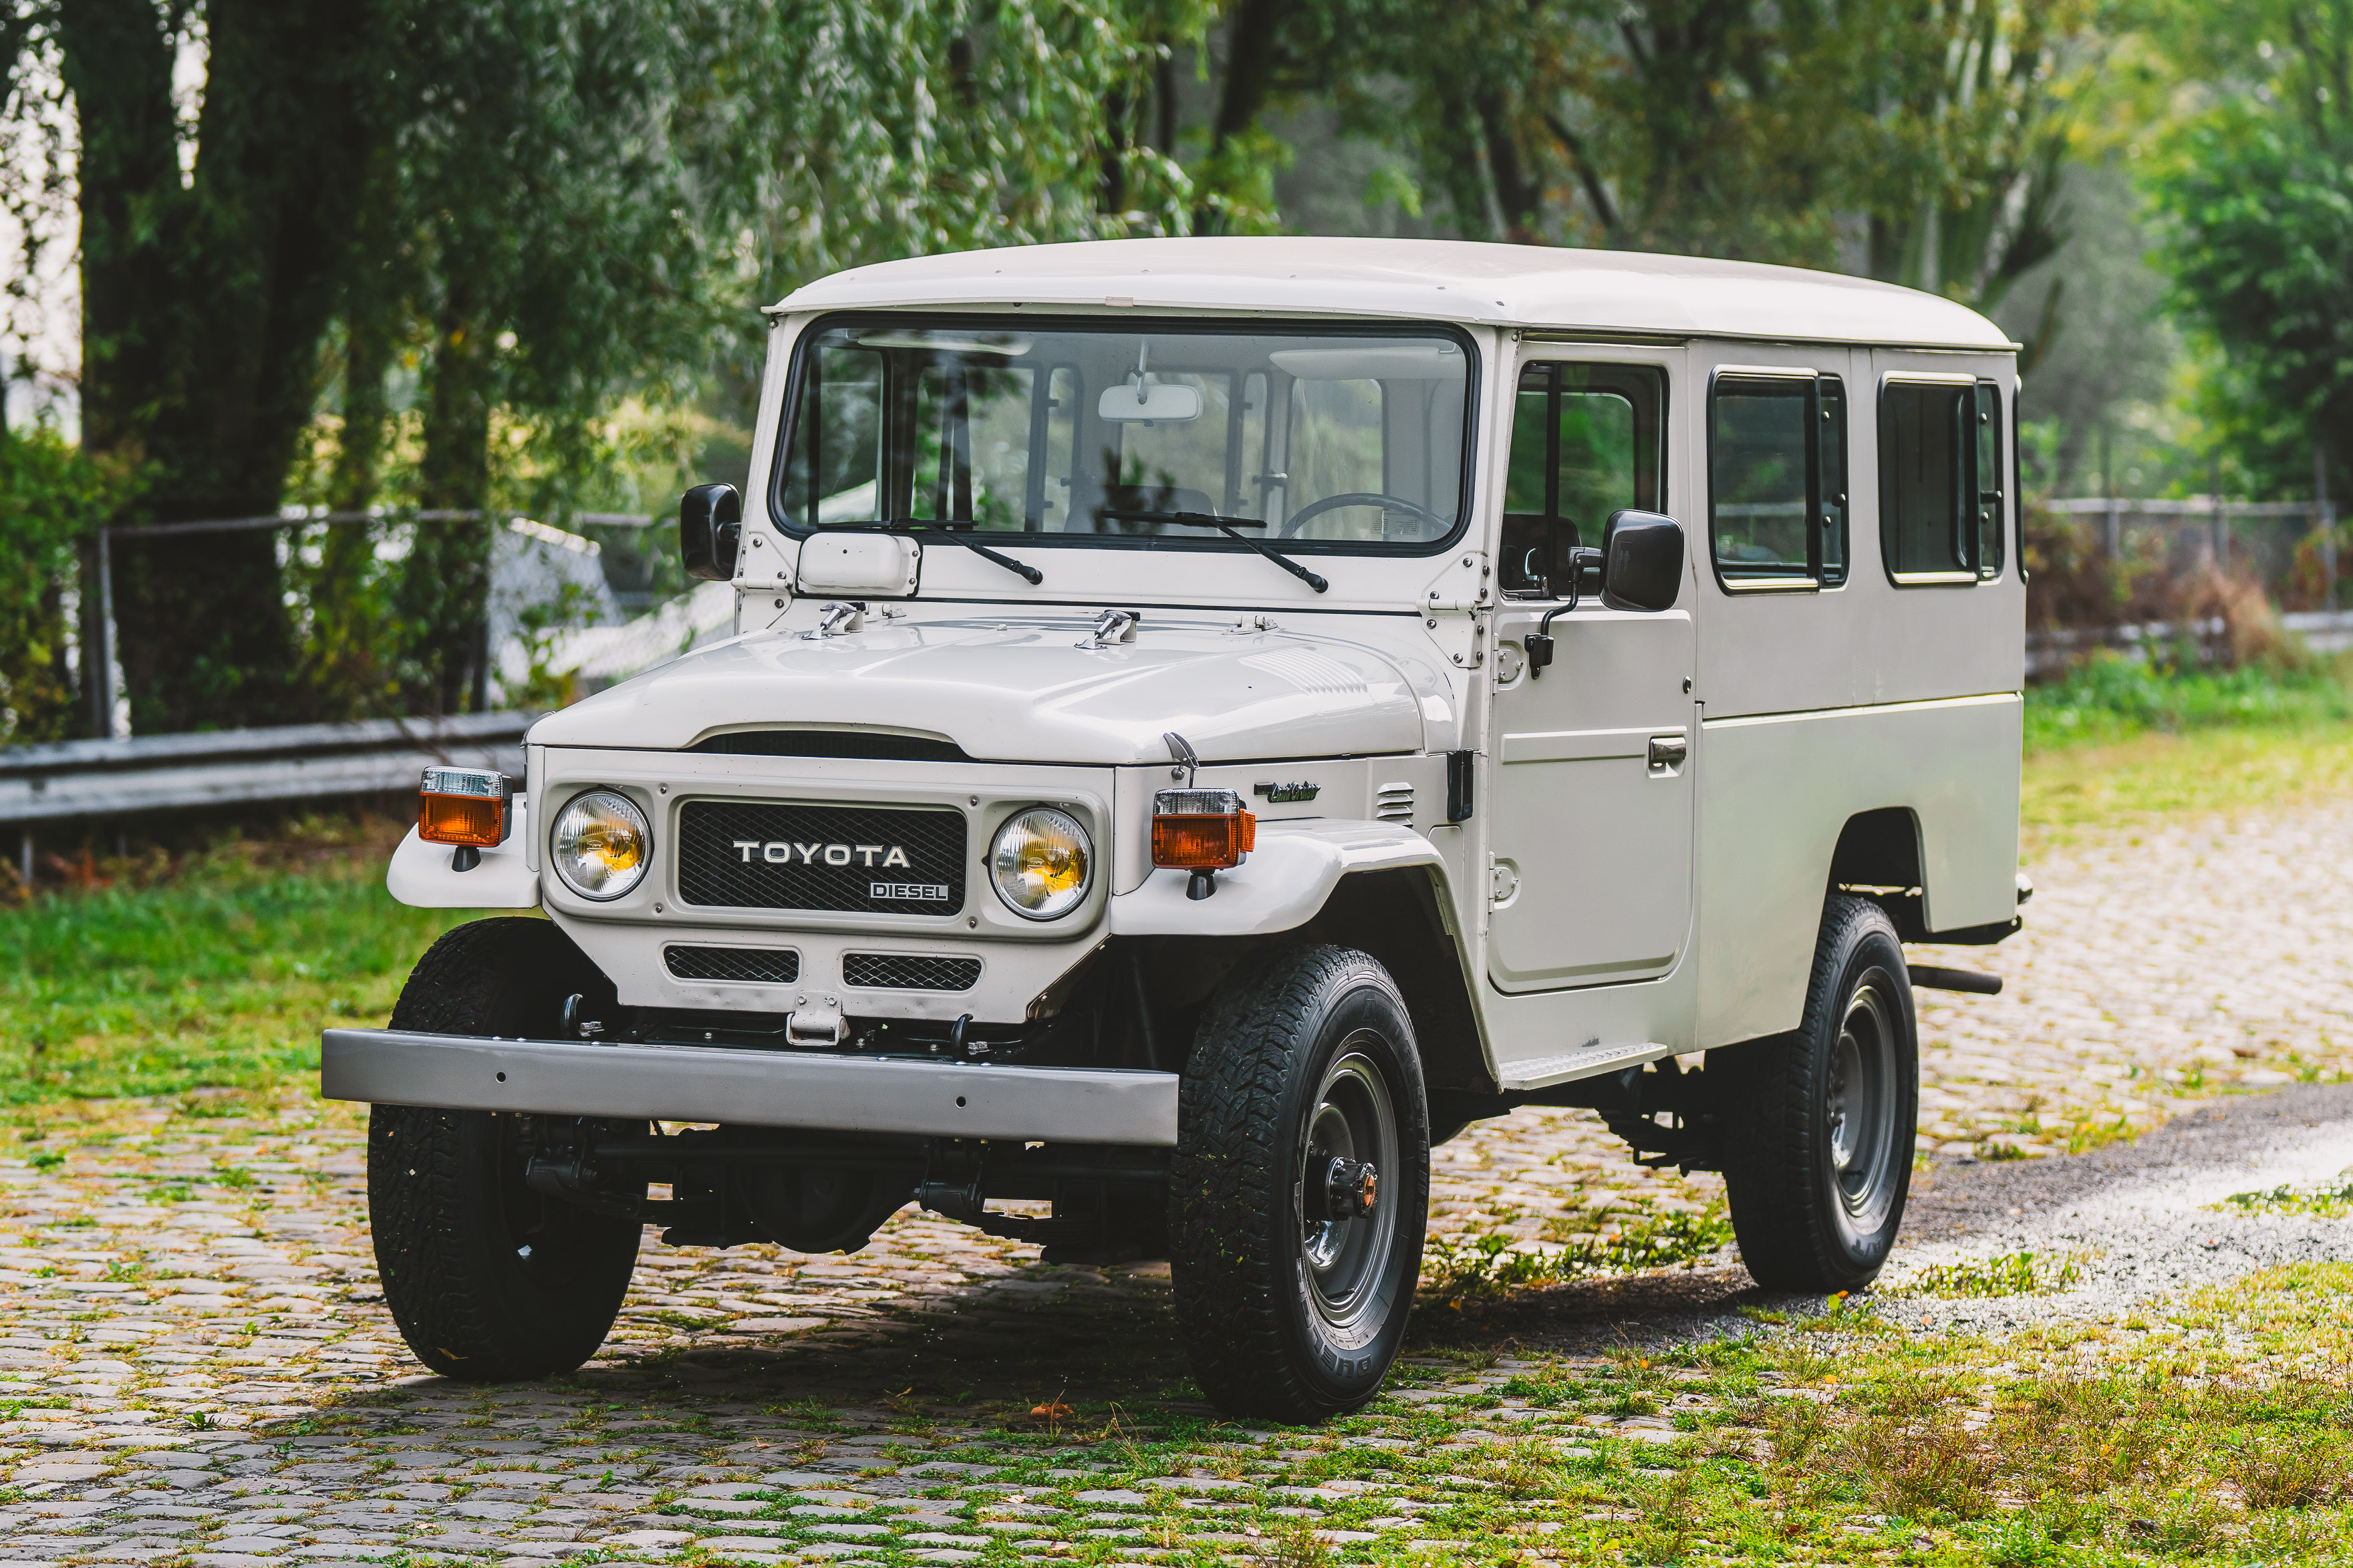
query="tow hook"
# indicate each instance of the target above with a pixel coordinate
(818, 1024)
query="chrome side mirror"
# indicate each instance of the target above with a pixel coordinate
(711, 531)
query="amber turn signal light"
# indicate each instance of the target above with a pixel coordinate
(1203, 843)
(1203, 831)
(465, 806)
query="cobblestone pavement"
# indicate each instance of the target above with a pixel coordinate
(196, 1365)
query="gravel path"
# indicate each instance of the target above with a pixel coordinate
(196, 1365)
(2139, 1222)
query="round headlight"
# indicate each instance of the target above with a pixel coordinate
(1044, 863)
(601, 844)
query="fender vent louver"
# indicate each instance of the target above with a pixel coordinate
(1393, 802)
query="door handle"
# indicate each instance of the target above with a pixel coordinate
(1667, 754)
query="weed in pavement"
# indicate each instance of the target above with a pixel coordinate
(2010, 1274)
(2331, 1199)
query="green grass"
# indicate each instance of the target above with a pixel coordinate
(220, 976)
(2111, 698)
(2219, 1433)
(2117, 744)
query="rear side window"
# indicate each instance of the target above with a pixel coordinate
(1586, 441)
(1940, 465)
(1777, 480)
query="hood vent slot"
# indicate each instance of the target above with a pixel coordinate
(1393, 802)
(858, 745)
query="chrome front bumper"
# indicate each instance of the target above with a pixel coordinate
(755, 1089)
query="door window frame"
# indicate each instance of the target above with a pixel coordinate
(1821, 575)
(1999, 495)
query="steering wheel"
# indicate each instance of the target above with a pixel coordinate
(1316, 508)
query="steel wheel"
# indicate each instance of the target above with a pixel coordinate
(1300, 1187)
(1346, 1227)
(1860, 1106)
(1819, 1122)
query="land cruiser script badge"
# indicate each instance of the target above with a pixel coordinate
(1281, 794)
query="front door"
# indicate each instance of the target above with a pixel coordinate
(1591, 791)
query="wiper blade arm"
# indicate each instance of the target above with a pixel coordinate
(1204, 519)
(923, 530)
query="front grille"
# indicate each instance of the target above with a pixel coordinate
(909, 972)
(900, 861)
(764, 966)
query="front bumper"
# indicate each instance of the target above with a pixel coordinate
(755, 1089)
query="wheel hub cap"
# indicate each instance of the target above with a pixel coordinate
(1346, 1228)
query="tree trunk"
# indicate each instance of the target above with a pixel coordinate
(445, 588)
(1254, 55)
(1519, 193)
(204, 305)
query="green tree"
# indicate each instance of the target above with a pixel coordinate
(2255, 207)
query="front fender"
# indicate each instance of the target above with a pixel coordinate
(1283, 885)
(421, 877)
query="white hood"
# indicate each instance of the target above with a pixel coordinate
(1021, 691)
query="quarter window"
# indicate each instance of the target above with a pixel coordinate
(1586, 442)
(1940, 464)
(1777, 480)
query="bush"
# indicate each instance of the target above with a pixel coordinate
(50, 495)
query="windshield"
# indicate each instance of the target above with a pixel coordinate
(1131, 433)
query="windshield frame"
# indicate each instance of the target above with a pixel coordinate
(1475, 372)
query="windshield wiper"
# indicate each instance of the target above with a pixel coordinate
(1204, 519)
(925, 530)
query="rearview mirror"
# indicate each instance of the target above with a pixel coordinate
(710, 530)
(1148, 403)
(1643, 560)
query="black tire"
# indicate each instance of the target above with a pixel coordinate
(1821, 1127)
(489, 1281)
(1304, 1056)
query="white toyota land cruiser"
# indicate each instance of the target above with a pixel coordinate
(1207, 719)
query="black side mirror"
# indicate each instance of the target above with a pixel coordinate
(1643, 560)
(711, 531)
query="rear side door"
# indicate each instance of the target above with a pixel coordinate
(1592, 757)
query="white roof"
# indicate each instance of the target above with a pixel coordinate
(1506, 285)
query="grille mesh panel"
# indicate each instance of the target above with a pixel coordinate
(769, 965)
(909, 972)
(736, 854)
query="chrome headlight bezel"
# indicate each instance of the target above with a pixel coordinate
(1005, 860)
(616, 804)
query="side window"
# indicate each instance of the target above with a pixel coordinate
(1777, 480)
(1940, 463)
(1989, 479)
(1586, 441)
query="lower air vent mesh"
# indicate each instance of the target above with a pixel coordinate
(909, 972)
(764, 966)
